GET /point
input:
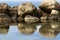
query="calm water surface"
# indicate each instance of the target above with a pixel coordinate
(31, 31)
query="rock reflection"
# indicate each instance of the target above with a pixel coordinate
(26, 28)
(50, 29)
(4, 28)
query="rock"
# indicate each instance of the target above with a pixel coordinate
(20, 19)
(44, 18)
(55, 12)
(4, 18)
(38, 13)
(4, 8)
(54, 15)
(30, 19)
(48, 5)
(27, 7)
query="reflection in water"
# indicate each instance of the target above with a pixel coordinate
(4, 29)
(49, 29)
(27, 28)
(34, 31)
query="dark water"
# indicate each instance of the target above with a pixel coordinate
(31, 31)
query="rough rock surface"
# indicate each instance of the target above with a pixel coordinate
(48, 5)
(4, 8)
(27, 7)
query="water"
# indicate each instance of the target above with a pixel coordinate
(31, 31)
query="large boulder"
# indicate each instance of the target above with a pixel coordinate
(27, 7)
(48, 5)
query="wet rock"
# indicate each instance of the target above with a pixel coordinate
(48, 5)
(30, 19)
(38, 13)
(27, 7)
(55, 12)
(4, 18)
(44, 18)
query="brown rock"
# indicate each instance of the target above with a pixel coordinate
(31, 19)
(48, 5)
(27, 7)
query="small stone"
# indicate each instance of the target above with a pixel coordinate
(30, 19)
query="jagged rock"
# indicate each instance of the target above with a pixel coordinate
(27, 7)
(48, 5)
(31, 19)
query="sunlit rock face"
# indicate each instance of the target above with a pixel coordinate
(48, 5)
(26, 28)
(54, 15)
(27, 7)
(31, 19)
(4, 29)
(56, 12)
(47, 31)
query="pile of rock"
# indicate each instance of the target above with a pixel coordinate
(4, 13)
(29, 12)
(51, 7)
